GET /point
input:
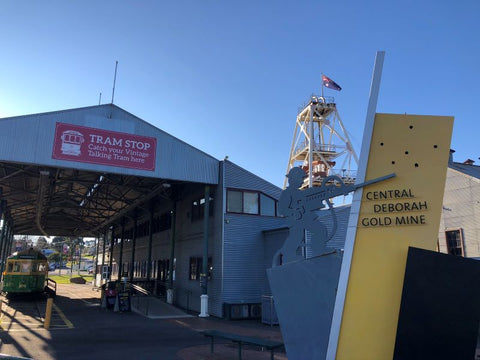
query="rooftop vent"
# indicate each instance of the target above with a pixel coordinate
(450, 158)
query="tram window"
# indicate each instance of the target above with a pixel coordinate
(34, 267)
(41, 267)
(10, 267)
(26, 267)
(16, 267)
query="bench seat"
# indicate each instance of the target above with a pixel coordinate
(243, 339)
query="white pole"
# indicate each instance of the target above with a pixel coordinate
(311, 143)
(355, 209)
(114, 80)
(322, 88)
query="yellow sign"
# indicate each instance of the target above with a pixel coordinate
(394, 214)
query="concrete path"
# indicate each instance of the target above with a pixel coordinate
(154, 330)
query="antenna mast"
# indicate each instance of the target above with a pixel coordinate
(114, 80)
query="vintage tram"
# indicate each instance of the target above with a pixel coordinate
(25, 272)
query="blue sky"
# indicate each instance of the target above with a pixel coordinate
(228, 77)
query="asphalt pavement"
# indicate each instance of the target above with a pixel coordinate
(82, 329)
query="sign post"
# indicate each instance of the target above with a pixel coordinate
(393, 215)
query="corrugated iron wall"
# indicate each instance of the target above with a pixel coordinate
(461, 210)
(188, 243)
(29, 139)
(244, 245)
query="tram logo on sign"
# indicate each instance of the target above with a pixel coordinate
(72, 142)
(104, 147)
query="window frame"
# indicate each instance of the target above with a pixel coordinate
(275, 205)
(163, 270)
(460, 239)
(259, 194)
(199, 267)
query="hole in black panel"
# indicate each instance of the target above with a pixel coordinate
(381, 144)
(435, 146)
(406, 152)
(416, 164)
(411, 126)
(393, 162)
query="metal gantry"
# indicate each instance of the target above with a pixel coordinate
(321, 145)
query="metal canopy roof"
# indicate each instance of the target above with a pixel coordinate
(81, 194)
(72, 202)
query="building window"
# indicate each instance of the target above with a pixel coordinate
(135, 269)
(153, 269)
(198, 208)
(268, 206)
(196, 265)
(250, 202)
(125, 269)
(143, 272)
(454, 242)
(163, 269)
(234, 201)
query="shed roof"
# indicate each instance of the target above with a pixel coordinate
(74, 172)
(466, 168)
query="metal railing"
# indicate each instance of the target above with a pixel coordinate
(140, 298)
(317, 99)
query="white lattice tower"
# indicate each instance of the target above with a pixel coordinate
(321, 145)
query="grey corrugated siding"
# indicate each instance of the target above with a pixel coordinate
(244, 251)
(470, 170)
(244, 248)
(342, 214)
(273, 240)
(189, 243)
(239, 178)
(461, 210)
(29, 139)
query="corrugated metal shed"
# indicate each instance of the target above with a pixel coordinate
(461, 207)
(243, 247)
(238, 178)
(73, 172)
(470, 170)
(29, 139)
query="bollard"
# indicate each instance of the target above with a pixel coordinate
(48, 313)
(104, 303)
(103, 300)
(116, 308)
